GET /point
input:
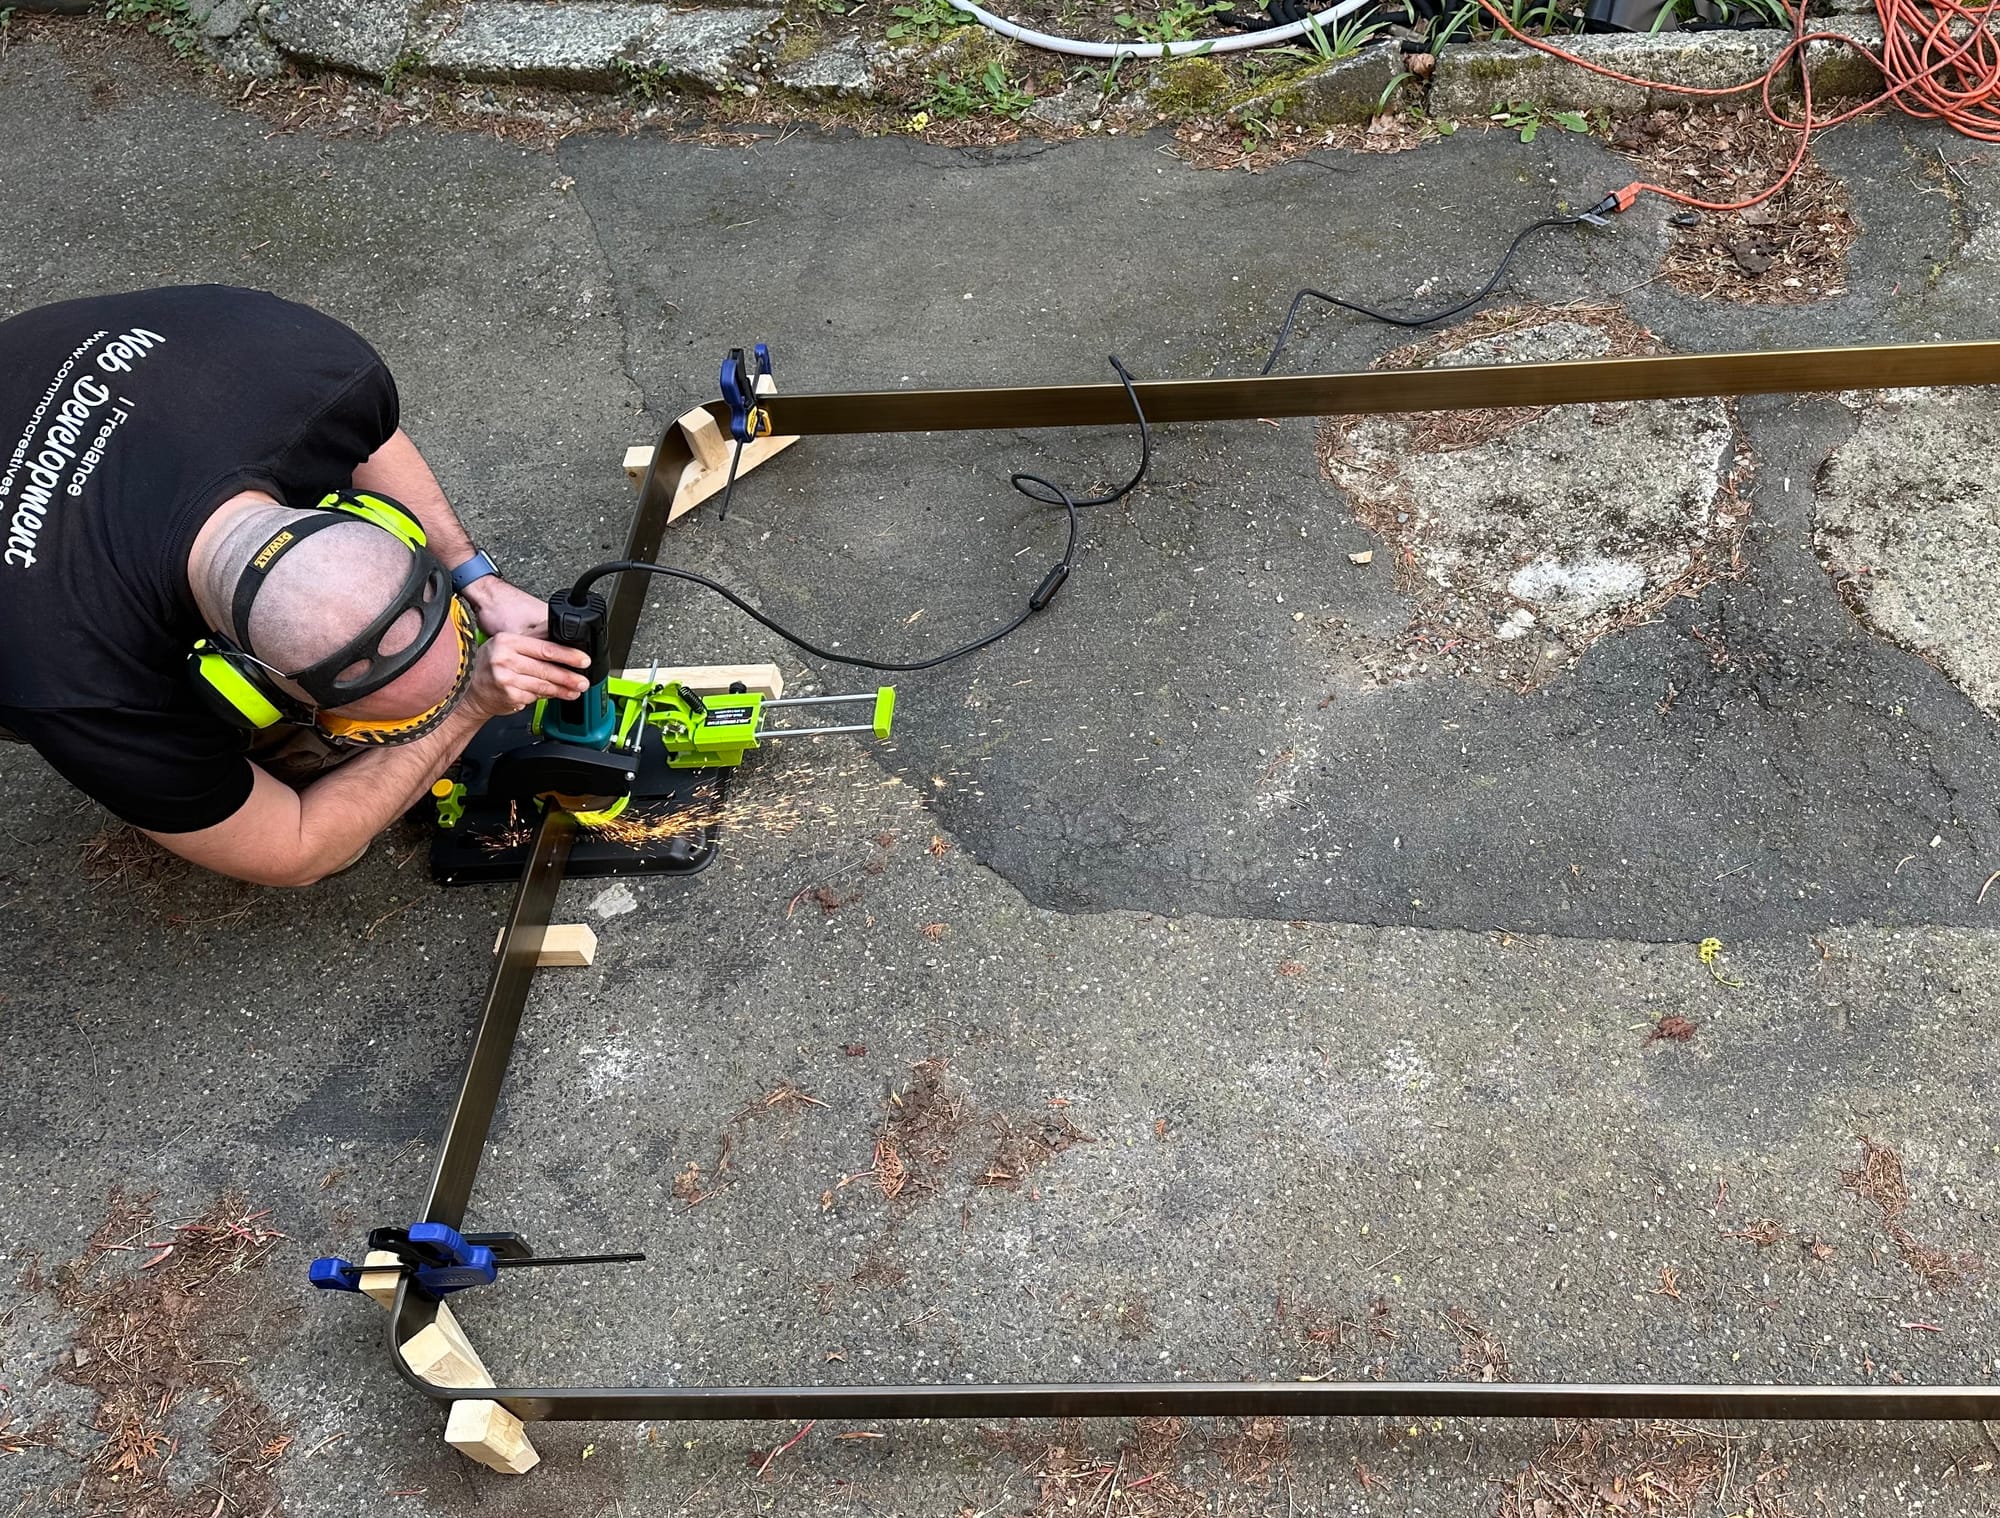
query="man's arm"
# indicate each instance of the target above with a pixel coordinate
(282, 837)
(398, 470)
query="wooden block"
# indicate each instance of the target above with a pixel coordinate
(442, 1355)
(565, 945)
(712, 679)
(380, 1285)
(708, 470)
(483, 1431)
(488, 1433)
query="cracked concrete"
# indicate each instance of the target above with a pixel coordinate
(1353, 991)
(1530, 533)
(1904, 520)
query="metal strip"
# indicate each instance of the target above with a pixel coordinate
(493, 1044)
(471, 1119)
(1091, 405)
(1351, 1399)
(1674, 376)
(671, 456)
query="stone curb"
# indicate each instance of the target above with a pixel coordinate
(613, 45)
(1475, 79)
(591, 44)
(603, 45)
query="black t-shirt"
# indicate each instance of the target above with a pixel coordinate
(125, 420)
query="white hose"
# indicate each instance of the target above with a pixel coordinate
(1114, 50)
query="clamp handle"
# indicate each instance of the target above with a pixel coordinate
(333, 1274)
(747, 419)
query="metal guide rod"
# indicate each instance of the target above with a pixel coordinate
(1889, 367)
(1086, 405)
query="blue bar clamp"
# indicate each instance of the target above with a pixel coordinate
(439, 1260)
(748, 420)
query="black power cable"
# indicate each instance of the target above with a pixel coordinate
(1028, 484)
(1423, 319)
(1045, 491)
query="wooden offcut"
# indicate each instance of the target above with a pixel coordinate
(379, 1285)
(568, 944)
(713, 679)
(708, 471)
(478, 1429)
(488, 1433)
(565, 945)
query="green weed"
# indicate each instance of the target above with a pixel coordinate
(398, 73)
(165, 19)
(990, 92)
(1349, 36)
(646, 81)
(1528, 118)
(1258, 130)
(1177, 22)
(928, 19)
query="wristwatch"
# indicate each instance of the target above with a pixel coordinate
(478, 567)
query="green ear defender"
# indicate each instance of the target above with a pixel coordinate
(234, 688)
(379, 509)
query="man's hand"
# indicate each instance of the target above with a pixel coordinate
(505, 608)
(512, 671)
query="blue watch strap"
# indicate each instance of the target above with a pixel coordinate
(478, 567)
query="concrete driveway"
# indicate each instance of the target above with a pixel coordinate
(1264, 964)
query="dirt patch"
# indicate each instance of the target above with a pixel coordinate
(914, 1144)
(925, 1131)
(1256, 1451)
(1659, 1472)
(1481, 1356)
(1021, 1147)
(1132, 1481)
(1672, 1029)
(1526, 534)
(1879, 1181)
(1332, 1341)
(166, 1316)
(1790, 249)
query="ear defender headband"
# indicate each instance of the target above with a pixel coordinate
(240, 687)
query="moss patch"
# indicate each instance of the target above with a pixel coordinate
(1189, 87)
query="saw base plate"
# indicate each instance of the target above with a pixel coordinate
(670, 826)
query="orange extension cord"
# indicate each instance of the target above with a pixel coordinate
(1939, 60)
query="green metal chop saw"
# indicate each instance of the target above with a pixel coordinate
(642, 763)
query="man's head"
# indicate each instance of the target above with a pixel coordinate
(324, 589)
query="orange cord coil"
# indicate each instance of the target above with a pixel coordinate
(1940, 62)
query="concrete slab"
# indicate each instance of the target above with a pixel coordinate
(597, 44)
(846, 68)
(1904, 520)
(1421, 1072)
(1480, 77)
(356, 36)
(1526, 536)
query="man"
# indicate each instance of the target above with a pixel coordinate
(209, 559)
